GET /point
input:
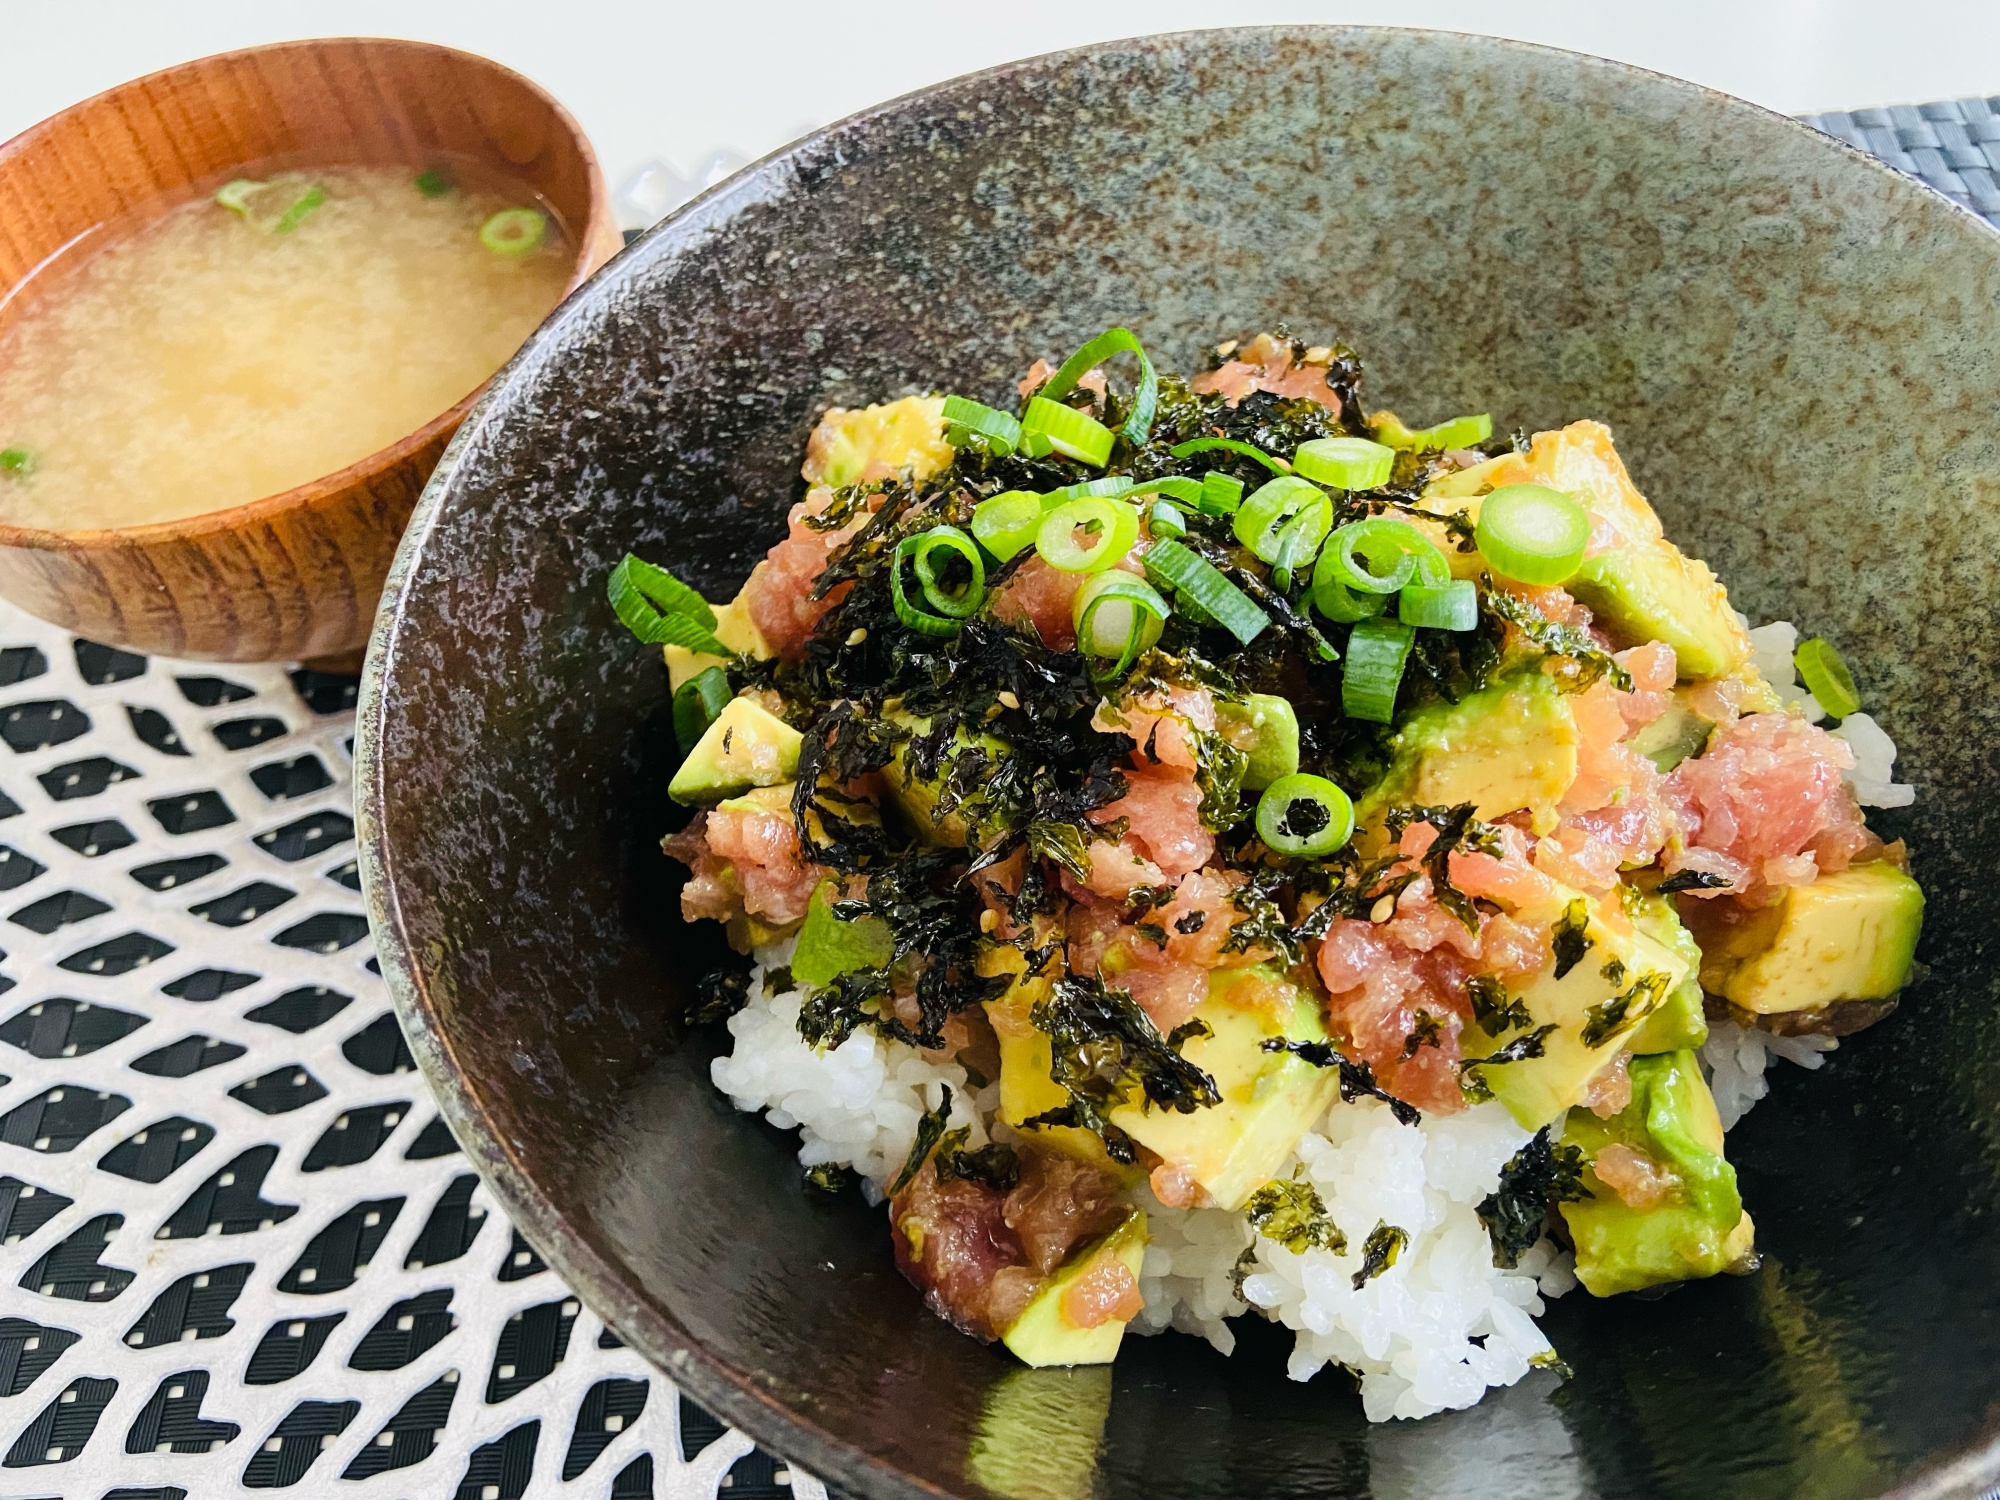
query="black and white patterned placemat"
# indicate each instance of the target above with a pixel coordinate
(238, 1251)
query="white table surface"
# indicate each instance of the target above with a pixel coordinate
(678, 79)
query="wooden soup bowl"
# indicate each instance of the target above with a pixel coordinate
(294, 575)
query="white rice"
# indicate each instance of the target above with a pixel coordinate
(1738, 1058)
(1873, 776)
(1434, 1331)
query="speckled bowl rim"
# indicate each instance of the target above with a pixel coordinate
(596, 1276)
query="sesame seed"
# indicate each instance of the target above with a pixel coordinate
(1384, 909)
(988, 920)
(1008, 700)
(857, 635)
(1319, 354)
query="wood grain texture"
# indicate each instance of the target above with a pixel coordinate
(295, 574)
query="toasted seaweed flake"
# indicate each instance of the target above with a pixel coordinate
(1572, 936)
(1379, 1251)
(1293, 1214)
(1693, 880)
(1357, 1079)
(1458, 832)
(1493, 1010)
(1104, 1049)
(1540, 1175)
(1588, 660)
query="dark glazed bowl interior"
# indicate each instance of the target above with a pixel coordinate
(1800, 353)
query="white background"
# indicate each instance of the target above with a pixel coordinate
(677, 79)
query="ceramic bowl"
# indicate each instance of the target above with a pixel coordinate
(1800, 352)
(296, 574)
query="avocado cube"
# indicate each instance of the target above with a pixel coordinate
(1504, 748)
(1044, 1334)
(1657, 594)
(1680, 1023)
(1269, 1099)
(1847, 936)
(917, 797)
(1578, 1020)
(1698, 1228)
(878, 442)
(747, 746)
(1266, 728)
(1676, 735)
(830, 946)
(734, 628)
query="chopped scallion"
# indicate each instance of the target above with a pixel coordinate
(1304, 816)
(1072, 433)
(1145, 398)
(1263, 521)
(303, 205)
(1117, 616)
(1531, 533)
(235, 196)
(1165, 520)
(433, 184)
(1377, 651)
(1230, 445)
(910, 611)
(1458, 432)
(1452, 607)
(953, 603)
(1221, 494)
(1346, 463)
(1008, 522)
(17, 463)
(1336, 600)
(1382, 554)
(1200, 583)
(696, 704)
(967, 422)
(514, 231)
(1825, 674)
(1109, 529)
(661, 610)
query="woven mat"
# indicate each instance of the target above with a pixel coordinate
(238, 1250)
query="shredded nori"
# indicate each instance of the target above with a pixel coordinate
(1606, 1020)
(1693, 880)
(1519, 1050)
(1357, 1079)
(1572, 936)
(1292, 1213)
(1540, 1175)
(1493, 1010)
(1458, 832)
(1379, 1251)
(1587, 660)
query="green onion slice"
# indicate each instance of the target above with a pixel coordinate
(514, 231)
(1221, 494)
(696, 704)
(1304, 816)
(1034, 444)
(1346, 463)
(18, 463)
(1008, 522)
(1145, 399)
(1458, 432)
(1230, 445)
(433, 184)
(1165, 520)
(1452, 607)
(1376, 653)
(661, 610)
(1336, 600)
(304, 204)
(1825, 674)
(1110, 529)
(966, 420)
(1177, 486)
(954, 604)
(1382, 555)
(1531, 533)
(1117, 615)
(909, 611)
(235, 196)
(1261, 522)
(1199, 582)
(1072, 433)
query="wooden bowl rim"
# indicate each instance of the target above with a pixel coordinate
(304, 496)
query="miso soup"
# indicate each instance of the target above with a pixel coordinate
(253, 339)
